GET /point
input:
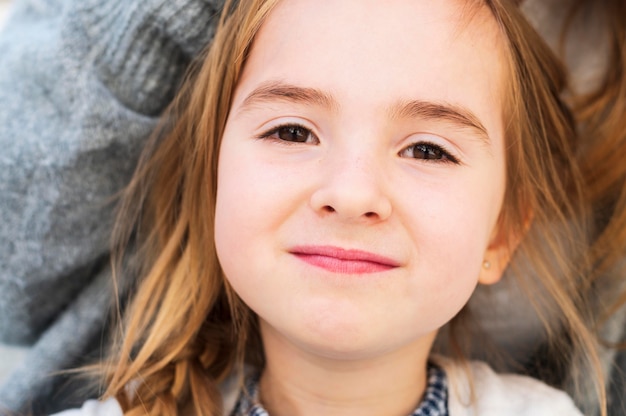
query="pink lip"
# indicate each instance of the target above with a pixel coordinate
(339, 260)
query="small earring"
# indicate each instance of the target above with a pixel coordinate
(486, 264)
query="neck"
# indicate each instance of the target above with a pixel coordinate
(296, 382)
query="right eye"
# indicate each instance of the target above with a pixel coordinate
(293, 133)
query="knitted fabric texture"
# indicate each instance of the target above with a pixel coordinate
(82, 83)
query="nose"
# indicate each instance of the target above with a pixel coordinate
(352, 189)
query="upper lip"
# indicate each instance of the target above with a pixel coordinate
(344, 254)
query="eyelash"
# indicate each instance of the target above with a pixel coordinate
(427, 149)
(290, 128)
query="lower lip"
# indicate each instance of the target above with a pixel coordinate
(336, 265)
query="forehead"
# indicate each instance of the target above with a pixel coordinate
(370, 53)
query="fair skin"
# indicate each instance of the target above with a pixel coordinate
(360, 180)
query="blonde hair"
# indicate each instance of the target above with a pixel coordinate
(185, 329)
(600, 117)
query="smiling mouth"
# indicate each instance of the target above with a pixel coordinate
(338, 260)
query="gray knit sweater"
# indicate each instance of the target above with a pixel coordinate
(82, 83)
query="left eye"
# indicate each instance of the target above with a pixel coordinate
(293, 133)
(428, 151)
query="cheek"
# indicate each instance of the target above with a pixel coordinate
(450, 224)
(454, 217)
(255, 196)
(238, 224)
(243, 188)
(232, 209)
(445, 268)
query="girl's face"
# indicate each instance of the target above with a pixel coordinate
(362, 172)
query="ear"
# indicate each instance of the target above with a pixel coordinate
(501, 247)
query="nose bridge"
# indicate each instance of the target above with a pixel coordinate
(357, 168)
(354, 184)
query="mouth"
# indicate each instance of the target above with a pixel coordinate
(339, 260)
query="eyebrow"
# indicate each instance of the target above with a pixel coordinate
(276, 90)
(455, 115)
(450, 113)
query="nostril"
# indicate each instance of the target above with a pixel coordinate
(350, 202)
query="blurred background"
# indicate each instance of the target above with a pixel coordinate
(9, 356)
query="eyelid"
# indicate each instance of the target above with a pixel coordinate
(435, 141)
(286, 120)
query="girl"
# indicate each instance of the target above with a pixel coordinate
(332, 184)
